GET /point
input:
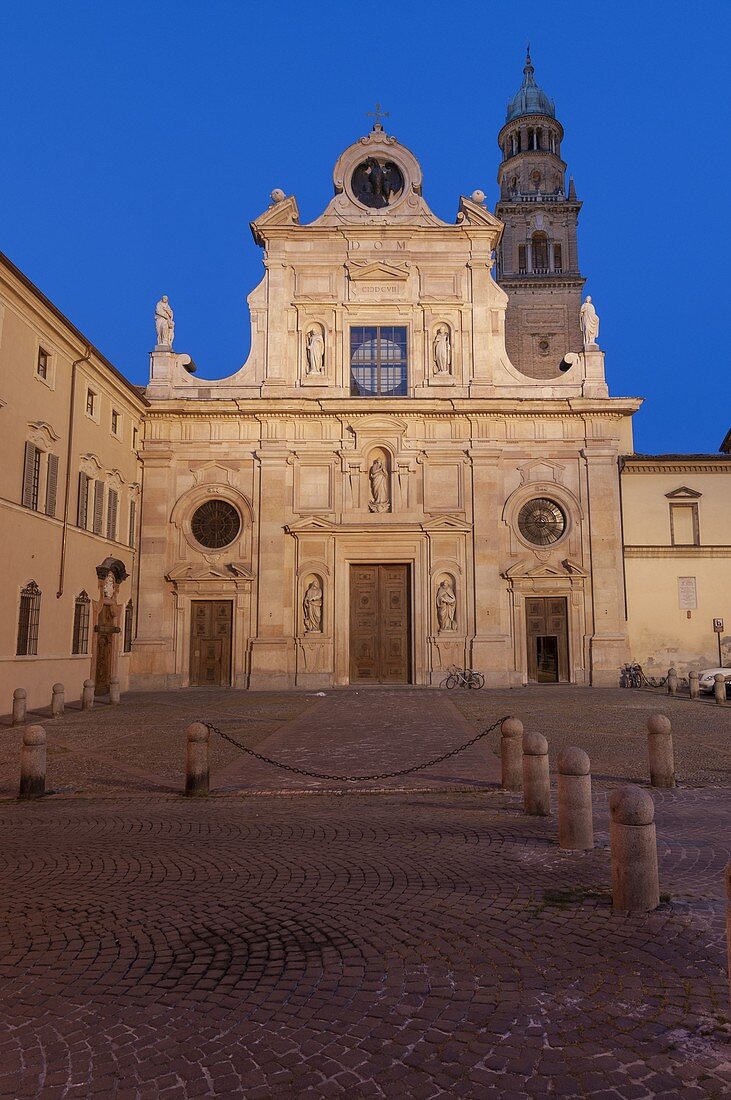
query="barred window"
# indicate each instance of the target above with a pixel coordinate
(378, 361)
(31, 476)
(82, 608)
(28, 619)
(128, 627)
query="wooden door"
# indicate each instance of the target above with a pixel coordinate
(104, 650)
(210, 642)
(380, 628)
(547, 636)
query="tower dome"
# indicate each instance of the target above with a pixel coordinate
(529, 99)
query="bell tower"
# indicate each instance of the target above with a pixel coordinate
(538, 263)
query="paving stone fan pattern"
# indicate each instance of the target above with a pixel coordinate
(415, 943)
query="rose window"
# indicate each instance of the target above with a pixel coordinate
(541, 522)
(215, 524)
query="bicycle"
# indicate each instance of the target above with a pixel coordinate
(464, 677)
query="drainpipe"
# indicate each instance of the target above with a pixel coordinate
(69, 454)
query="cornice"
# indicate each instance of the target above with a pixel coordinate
(689, 465)
(720, 551)
(520, 407)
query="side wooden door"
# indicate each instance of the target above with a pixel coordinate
(210, 642)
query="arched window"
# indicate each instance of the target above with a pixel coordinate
(80, 640)
(539, 242)
(128, 627)
(557, 259)
(28, 618)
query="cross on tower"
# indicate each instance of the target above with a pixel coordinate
(378, 114)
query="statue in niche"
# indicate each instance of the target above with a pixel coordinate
(164, 323)
(380, 497)
(589, 321)
(108, 588)
(442, 350)
(446, 606)
(312, 607)
(315, 351)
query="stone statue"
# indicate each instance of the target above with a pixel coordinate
(315, 351)
(108, 589)
(164, 323)
(446, 606)
(312, 607)
(442, 350)
(380, 498)
(589, 321)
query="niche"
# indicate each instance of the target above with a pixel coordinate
(312, 604)
(379, 480)
(446, 604)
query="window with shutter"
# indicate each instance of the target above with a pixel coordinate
(31, 476)
(51, 484)
(132, 518)
(82, 510)
(98, 519)
(112, 514)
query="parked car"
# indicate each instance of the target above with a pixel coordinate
(706, 678)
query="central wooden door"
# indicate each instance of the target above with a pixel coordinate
(380, 628)
(548, 644)
(210, 642)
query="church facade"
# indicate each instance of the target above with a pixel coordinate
(382, 491)
(419, 465)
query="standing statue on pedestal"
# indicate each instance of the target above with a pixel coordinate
(164, 323)
(442, 350)
(446, 606)
(380, 499)
(312, 607)
(315, 351)
(589, 321)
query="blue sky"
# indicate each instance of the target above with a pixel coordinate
(141, 139)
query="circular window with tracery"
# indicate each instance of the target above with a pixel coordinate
(215, 524)
(541, 521)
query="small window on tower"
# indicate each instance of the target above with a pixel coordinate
(539, 244)
(521, 259)
(557, 264)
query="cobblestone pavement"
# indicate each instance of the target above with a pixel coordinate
(414, 943)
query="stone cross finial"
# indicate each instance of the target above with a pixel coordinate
(378, 114)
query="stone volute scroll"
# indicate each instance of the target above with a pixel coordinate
(312, 606)
(164, 323)
(446, 602)
(589, 321)
(379, 479)
(315, 350)
(442, 350)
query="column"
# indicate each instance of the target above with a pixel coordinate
(491, 644)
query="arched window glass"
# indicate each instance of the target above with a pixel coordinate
(28, 619)
(80, 640)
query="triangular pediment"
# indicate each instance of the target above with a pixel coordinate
(683, 493)
(311, 523)
(523, 570)
(445, 523)
(280, 215)
(204, 571)
(378, 270)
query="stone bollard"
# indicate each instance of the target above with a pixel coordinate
(511, 754)
(728, 926)
(536, 782)
(33, 763)
(660, 751)
(693, 685)
(19, 697)
(87, 695)
(197, 772)
(575, 824)
(672, 681)
(635, 883)
(114, 691)
(57, 701)
(719, 688)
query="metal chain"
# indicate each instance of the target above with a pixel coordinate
(353, 778)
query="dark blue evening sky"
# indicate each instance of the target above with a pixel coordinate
(139, 139)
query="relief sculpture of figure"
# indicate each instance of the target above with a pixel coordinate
(380, 499)
(442, 350)
(312, 608)
(446, 606)
(589, 321)
(164, 323)
(315, 351)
